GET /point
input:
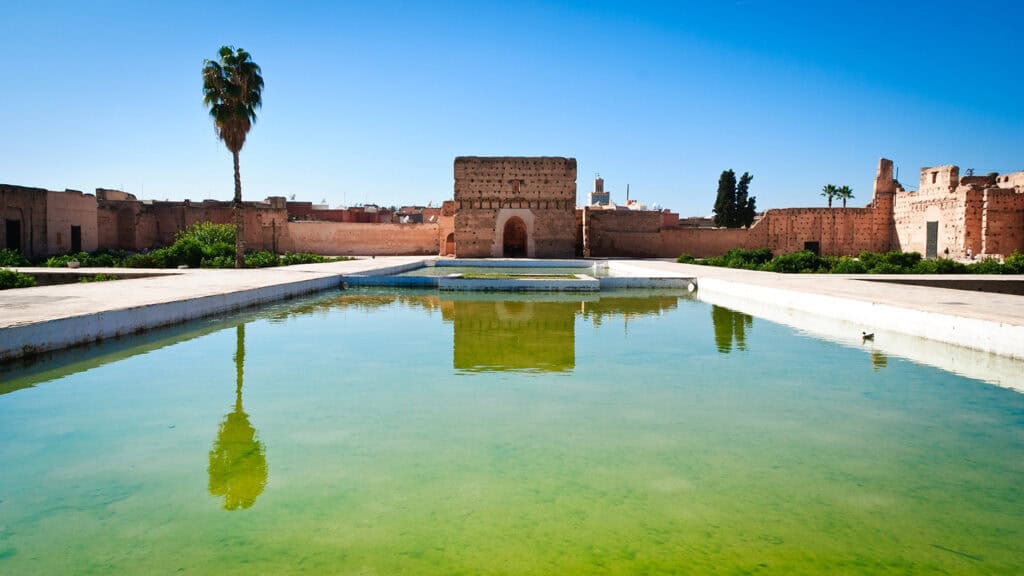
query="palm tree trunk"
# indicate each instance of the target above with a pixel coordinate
(239, 217)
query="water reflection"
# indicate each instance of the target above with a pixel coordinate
(730, 327)
(238, 461)
(512, 334)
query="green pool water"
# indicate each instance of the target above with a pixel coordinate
(385, 432)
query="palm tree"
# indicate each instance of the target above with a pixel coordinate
(829, 191)
(844, 193)
(232, 89)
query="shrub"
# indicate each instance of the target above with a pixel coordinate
(939, 266)
(846, 265)
(12, 279)
(62, 261)
(883, 267)
(261, 259)
(986, 266)
(208, 234)
(159, 258)
(99, 278)
(1014, 263)
(12, 258)
(685, 259)
(796, 262)
(741, 258)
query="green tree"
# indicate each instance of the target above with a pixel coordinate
(233, 91)
(725, 203)
(746, 205)
(734, 207)
(844, 193)
(829, 192)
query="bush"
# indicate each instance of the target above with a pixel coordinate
(986, 266)
(741, 258)
(208, 234)
(796, 262)
(846, 265)
(12, 279)
(159, 258)
(939, 266)
(884, 267)
(62, 261)
(12, 258)
(1014, 263)
(685, 259)
(99, 278)
(261, 259)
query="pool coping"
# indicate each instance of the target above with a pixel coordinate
(48, 318)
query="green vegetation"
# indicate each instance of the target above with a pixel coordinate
(12, 279)
(734, 207)
(894, 262)
(233, 91)
(12, 258)
(202, 245)
(99, 278)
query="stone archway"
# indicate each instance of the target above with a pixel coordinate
(449, 245)
(514, 238)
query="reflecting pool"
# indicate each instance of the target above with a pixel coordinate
(402, 432)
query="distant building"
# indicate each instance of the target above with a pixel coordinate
(599, 197)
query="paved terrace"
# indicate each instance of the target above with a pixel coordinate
(52, 317)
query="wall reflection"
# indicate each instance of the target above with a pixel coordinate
(730, 328)
(238, 461)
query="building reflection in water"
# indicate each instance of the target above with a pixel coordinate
(238, 461)
(730, 328)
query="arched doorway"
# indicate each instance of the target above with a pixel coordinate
(449, 245)
(514, 238)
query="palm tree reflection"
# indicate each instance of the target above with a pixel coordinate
(238, 462)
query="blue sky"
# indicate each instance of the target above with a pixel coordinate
(371, 101)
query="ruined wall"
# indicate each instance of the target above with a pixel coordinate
(1002, 222)
(490, 191)
(354, 239)
(146, 225)
(838, 231)
(957, 209)
(65, 210)
(1012, 180)
(27, 208)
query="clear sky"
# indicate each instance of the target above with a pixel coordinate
(369, 102)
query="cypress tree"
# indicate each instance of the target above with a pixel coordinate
(725, 203)
(745, 204)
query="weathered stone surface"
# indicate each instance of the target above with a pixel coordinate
(496, 194)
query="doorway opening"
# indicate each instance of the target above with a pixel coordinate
(514, 238)
(13, 235)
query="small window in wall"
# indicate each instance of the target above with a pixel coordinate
(76, 239)
(935, 177)
(813, 247)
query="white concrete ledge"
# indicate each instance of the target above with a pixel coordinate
(976, 333)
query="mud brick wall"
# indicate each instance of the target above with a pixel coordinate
(67, 209)
(28, 207)
(146, 225)
(1002, 222)
(355, 239)
(489, 191)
